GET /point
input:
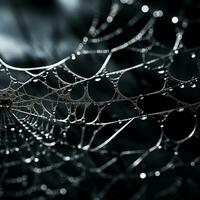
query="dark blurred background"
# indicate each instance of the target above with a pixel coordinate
(42, 32)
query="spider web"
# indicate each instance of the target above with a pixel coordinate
(116, 127)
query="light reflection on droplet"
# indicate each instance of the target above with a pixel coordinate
(143, 175)
(73, 57)
(182, 86)
(157, 173)
(180, 109)
(193, 55)
(193, 85)
(63, 191)
(176, 51)
(109, 19)
(158, 13)
(143, 117)
(145, 9)
(35, 80)
(36, 159)
(175, 20)
(97, 79)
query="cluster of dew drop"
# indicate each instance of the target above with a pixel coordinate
(35, 127)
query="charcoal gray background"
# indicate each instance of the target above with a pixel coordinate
(37, 33)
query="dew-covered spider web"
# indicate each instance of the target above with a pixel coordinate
(117, 119)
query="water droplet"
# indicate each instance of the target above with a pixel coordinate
(43, 187)
(85, 39)
(176, 153)
(78, 53)
(63, 191)
(180, 109)
(119, 121)
(161, 71)
(157, 173)
(145, 9)
(193, 85)
(143, 175)
(16, 149)
(27, 160)
(141, 97)
(174, 20)
(35, 80)
(97, 79)
(129, 2)
(73, 57)
(69, 89)
(86, 147)
(66, 158)
(193, 55)
(7, 152)
(184, 24)
(143, 117)
(36, 159)
(158, 13)
(109, 19)
(176, 51)
(182, 86)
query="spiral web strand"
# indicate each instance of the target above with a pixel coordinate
(61, 130)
